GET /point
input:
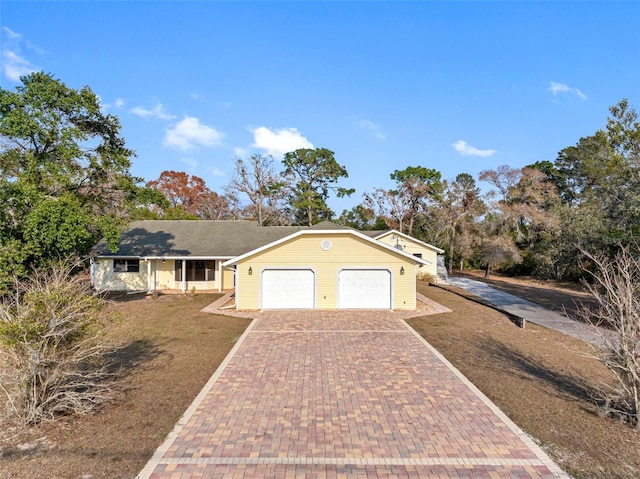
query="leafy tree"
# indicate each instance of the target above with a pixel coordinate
(361, 218)
(257, 179)
(313, 174)
(415, 187)
(189, 197)
(64, 173)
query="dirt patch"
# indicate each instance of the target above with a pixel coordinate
(546, 382)
(173, 350)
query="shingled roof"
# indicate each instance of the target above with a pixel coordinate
(195, 238)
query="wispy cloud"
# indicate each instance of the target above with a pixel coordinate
(189, 133)
(217, 172)
(279, 142)
(157, 111)
(190, 162)
(105, 107)
(14, 63)
(558, 88)
(371, 127)
(465, 149)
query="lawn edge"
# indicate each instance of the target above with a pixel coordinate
(153, 462)
(526, 438)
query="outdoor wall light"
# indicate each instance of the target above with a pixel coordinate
(164, 261)
(401, 269)
(250, 271)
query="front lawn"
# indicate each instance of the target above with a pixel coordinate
(544, 381)
(173, 351)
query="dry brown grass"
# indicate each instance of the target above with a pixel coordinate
(544, 381)
(174, 349)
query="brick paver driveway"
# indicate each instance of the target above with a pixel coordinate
(342, 394)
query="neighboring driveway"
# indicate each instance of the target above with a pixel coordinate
(342, 394)
(531, 312)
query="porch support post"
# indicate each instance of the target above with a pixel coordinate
(184, 275)
(148, 274)
(220, 277)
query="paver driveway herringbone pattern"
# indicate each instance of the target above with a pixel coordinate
(343, 394)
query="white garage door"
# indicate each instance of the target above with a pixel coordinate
(364, 289)
(288, 289)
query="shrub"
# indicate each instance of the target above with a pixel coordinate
(53, 341)
(615, 287)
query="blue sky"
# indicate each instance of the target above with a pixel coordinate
(455, 86)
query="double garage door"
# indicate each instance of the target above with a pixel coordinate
(296, 289)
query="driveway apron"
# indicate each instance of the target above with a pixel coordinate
(342, 394)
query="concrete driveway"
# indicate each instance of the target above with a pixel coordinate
(534, 313)
(342, 394)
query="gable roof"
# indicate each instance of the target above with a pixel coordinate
(196, 238)
(215, 238)
(334, 231)
(408, 238)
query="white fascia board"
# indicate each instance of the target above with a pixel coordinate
(189, 258)
(410, 238)
(236, 260)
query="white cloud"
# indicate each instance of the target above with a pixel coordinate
(217, 172)
(189, 133)
(240, 152)
(105, 107)
(14, 63)
(11, 34)
(279, 142)
(372, 127)
(157, 111)
(464, 149)
(190, 162)
(14, 66)
(557, 88)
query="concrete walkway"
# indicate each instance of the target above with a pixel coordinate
(337, 394)
(531, 312)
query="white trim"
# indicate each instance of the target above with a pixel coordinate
(285, 268)
(297, 234)
(367, 268)
(410, 238)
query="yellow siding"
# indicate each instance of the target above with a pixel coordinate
(106, 279)
(162, 277)
(413, 247)
(347, 251)
(227, 278)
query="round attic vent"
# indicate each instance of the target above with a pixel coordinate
(325, 245)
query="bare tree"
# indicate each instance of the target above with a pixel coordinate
(53, 346)
(257, 179)
(615, 289)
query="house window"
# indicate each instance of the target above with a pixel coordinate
(417, 255)
(126, 265)
(197, 270)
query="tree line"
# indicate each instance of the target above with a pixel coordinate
(65, 182)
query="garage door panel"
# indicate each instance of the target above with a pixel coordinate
(288, 289)
(364, 289)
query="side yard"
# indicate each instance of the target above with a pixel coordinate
(174, 350)
(544, 381)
